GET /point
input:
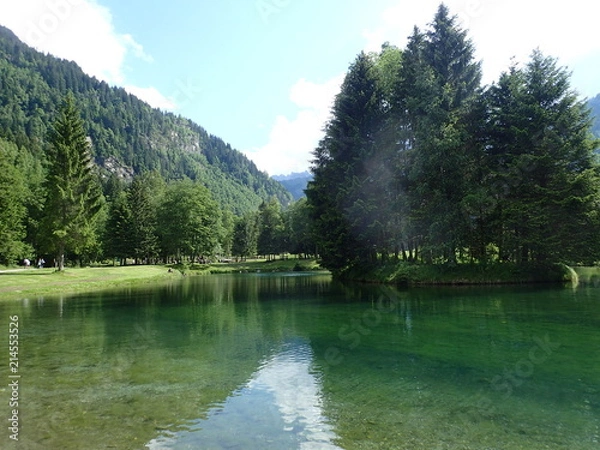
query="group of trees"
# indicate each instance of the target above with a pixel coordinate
(152, 220)
(123, 129)
(273, 231)
(66, 209)
(421, 162)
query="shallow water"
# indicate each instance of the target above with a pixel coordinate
(299, 362)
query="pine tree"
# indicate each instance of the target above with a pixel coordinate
(73, 196)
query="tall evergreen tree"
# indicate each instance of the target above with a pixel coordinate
(541, 154)
(245, 236)
(73, 196)
(440, 83)
(340, 168)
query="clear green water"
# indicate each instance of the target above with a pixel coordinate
(298, 362)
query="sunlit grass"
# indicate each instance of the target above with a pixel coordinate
(20, 283)
(15, 284)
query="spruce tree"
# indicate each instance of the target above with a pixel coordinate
(341, 168)
(73, 197)
(541, 154)
(439, 87)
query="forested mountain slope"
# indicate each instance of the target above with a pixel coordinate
(128, 136)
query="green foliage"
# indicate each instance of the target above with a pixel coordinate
(118, 240)
(271, 235)
(245, 236)
(13, 195)
(142, 225)
(74, 198)
(188, 221)
(342, 167)
(409, 274)
(298, 230)
(540, 149)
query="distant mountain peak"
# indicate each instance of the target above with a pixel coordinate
(295, 183)
(292, 176)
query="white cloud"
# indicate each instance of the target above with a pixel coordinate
(153, 97)
(503, 29)
(80, 31)
(291, 141)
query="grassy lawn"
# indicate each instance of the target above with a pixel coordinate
(19, 283)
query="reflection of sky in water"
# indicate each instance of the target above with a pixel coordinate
(279, 408)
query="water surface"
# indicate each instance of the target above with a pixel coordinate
(267, 361)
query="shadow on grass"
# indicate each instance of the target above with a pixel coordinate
(27, 272)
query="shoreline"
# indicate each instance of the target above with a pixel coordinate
(20, 283)
(16, 284)
(420, 275)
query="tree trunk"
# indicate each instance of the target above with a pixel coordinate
(60, 258)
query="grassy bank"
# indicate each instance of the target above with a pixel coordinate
(16, 284)
(405, 274)
(256, 265)
(21, 283)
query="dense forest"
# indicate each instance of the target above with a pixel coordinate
(128, 137)
(89, 172)
(61, 211)
(422, 163)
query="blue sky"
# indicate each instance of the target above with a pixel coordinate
(261, 74)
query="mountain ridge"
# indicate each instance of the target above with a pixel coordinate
(128, 136)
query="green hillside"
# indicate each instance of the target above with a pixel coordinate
(128, 136)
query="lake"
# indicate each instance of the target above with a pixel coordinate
(296, 361)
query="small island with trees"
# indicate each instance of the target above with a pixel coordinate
(425, 175)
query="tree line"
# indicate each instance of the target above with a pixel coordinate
(422, 163)
(64, 210)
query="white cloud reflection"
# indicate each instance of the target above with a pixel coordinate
(280, 407)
